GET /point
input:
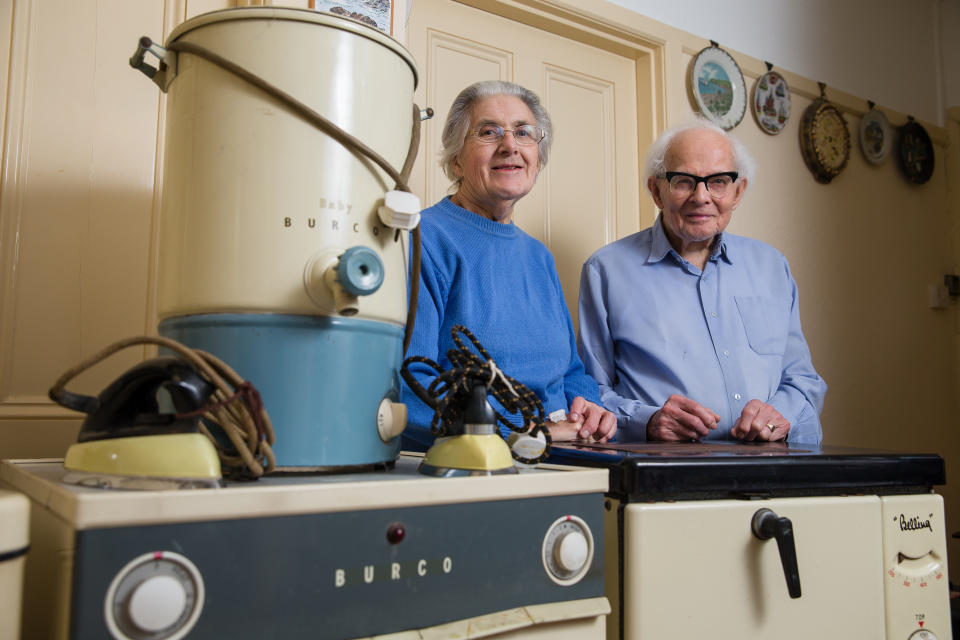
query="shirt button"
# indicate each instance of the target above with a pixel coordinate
(736, 396)
(726, 353)
(713, 313)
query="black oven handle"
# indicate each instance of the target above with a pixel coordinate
(765, 525)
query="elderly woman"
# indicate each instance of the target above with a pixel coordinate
(481, 271)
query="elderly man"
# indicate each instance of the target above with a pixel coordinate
(693, 333)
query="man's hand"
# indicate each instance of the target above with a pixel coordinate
(681, 419)
(585, 421)
(760, 421)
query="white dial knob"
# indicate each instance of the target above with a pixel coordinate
(567, 550)
(922, 634)
(157, 595)
(157, 603)
(571, 551)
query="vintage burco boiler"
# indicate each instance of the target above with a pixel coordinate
(272, 254)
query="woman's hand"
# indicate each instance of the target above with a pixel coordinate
(585, 421)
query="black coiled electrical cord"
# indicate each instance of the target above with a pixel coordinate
(449, 391)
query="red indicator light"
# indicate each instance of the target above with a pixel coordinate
(396, 533)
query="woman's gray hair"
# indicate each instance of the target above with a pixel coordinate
(461, 112)
(655, 164)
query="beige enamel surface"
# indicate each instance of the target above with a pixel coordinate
(916, 584)
(695, 570)
(257, 203)
(87, 508)
(14, 536)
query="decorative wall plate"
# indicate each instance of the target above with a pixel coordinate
(771, 102)
(875, 136)
(915, 151)
(824, 140)
(718, 87)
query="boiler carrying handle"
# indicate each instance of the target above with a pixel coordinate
(165, 70)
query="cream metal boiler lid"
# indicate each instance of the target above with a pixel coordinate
(296, 15)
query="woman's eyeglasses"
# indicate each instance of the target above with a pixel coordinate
(524, 134)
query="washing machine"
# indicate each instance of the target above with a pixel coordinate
(386, 554)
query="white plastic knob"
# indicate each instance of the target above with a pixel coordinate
(391, 419)
(157, 603)
(400, 210)
(571, 552)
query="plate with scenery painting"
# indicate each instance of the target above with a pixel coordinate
(718, 87)
(771, 102)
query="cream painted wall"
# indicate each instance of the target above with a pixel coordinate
(950, 51)
(887, 51)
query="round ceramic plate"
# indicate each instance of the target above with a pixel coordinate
(875, 136)
(916, 152)
(771, 102)
(718, 87)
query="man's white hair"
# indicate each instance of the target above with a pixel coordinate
(655, 164)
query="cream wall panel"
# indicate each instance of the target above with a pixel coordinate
(6, 31)
(78, 171)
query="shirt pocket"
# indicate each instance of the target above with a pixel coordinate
(766, 322)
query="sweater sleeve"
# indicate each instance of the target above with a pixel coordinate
(424, 342)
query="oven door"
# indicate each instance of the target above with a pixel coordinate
(695, 569)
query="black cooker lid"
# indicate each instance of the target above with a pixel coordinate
(702, 470)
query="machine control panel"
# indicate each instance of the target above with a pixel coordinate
(567, 550)
(916, 587)
(156, 596)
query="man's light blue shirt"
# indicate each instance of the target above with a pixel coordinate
(652, 325)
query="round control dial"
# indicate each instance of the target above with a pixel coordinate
(567, 550)
(922, 634)
(156, 596)
(907, 572)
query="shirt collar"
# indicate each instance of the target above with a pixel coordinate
(660, 245)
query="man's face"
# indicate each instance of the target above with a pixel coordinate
(697, 217)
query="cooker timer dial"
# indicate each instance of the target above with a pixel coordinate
(567, 550)
(156, 596)
(922, 634)
(916, 572)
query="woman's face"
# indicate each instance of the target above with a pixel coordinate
(496, 174)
